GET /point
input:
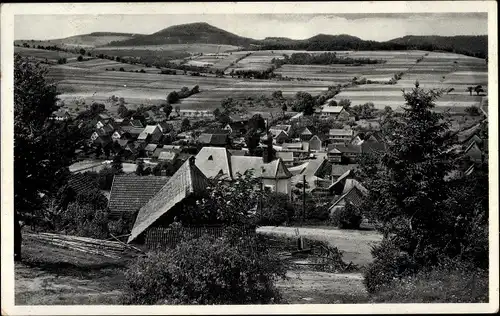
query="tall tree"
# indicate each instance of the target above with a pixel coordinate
(167, 108)
(43, 148)
(407, 189)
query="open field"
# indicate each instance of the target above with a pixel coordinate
(189, 48)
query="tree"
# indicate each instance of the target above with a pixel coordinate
(277, 95)
(472, 110)
(196, 89)
(173, 97)
(43, 148)
(80, 58)
(304, 102)
(140, 168)
(117, 163)
(346, 104)
(178, 110)
(185, 125)
(478, 89)
(252, 139)
(122, 111)
(365, 111)
(284, 108)
(98, 150)
(408, 187)
(470, 89)
(167, 108)
(82, 51)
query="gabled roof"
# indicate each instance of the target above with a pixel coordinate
(272, 170)
(131, 192)
(150, 147)
(306, 131)
(211, 160)
(136, 123)
(332, 109)
(213, 139)
(348, 148)
(340, 132)
(315, 137)
(288, 146)
(354, 195)
(286, 156)
(338, 170)
(368, 147)
(122, 142)
(186, 181)
(216, 131)
(150, 129)
(236, 152)
(167, 155)
(283, 127)
(82, 183)
(277, 132)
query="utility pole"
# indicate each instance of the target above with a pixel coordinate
(304, 198)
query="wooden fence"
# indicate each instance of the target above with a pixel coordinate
(162, 238)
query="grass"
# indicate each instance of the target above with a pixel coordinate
(437, 286)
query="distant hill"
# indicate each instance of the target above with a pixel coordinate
(86, 40)
(192, 33)
(469, 45)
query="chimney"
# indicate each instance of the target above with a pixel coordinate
(191, 160)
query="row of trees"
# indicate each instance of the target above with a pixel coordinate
(174, 96)
(327, 58)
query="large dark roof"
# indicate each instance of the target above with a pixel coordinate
(82, 183)
(131, 192)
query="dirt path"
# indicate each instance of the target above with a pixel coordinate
(355, 245)
(313, 287)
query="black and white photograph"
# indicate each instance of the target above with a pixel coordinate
(239, 155)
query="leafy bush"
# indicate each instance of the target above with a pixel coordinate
(276, 209)
(206, 270)
(390, 263)
(348, 217)
(83, 220)
(472, 110)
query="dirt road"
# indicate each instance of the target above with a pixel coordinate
(354, 244)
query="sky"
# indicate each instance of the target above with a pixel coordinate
(377, 26)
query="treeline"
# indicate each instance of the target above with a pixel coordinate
(327, 58)
(174, 96)
(475, 46)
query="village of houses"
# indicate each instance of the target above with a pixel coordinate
(320, 165)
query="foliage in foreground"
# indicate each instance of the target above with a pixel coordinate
(444, 284)
(233, 269)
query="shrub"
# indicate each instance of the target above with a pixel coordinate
(84, 220)
(276, 209)
(80, 58)
(348, 217)
(472, 110)
(206, 270)
(390, 263)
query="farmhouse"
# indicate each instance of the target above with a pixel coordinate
(169, 201)
(279, 136)
(151, 133)
(61, 115)
(131, 192)
(218, 162)
(306, 135)
(336, 112)
(346, 189)
(196, 114)
(168, 156)
(216, 140)
(340, 136)
(311, 170)
(339, 170)
(315, 143)
(286, 156)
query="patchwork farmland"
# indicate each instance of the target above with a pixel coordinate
(97, 79)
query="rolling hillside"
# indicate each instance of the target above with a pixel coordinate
(85, 40)
(470, 45)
